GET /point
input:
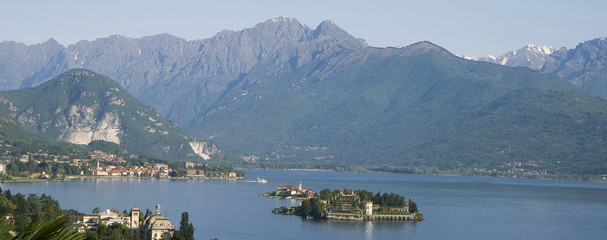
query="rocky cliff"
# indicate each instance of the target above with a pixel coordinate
(80, 106)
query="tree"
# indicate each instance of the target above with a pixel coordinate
(326, 194)
(412, 206)
(306, 207)
(318, 208)
(113, 231)
(147, 213)
(166, 236)
(96, 210)
(186, 229)
(6, 206)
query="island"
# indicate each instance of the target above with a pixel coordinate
(346, 204)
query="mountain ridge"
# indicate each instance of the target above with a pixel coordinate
(166, 71)
(583, 66)
(282, 91)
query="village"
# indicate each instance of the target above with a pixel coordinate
(44, 166)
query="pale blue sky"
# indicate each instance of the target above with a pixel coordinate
(469, 27)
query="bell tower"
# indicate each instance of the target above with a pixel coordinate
(134, 221)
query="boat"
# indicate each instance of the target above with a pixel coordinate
(261, 180)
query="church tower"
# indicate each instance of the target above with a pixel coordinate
(134, 221)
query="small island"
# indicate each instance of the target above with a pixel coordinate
(346, 204)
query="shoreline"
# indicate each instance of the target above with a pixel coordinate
(561, 177)
(68, 178)
(550, 177)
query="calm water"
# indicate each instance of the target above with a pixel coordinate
(454, 207)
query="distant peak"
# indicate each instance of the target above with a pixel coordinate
(538, 49)
(279, 22)
(427, 45)
(283, 19)
(116, 36)
(327, 26)
(327, 22)
(422, 47)
(52, 41)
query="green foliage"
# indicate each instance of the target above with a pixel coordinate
(186, 229)
(417, 112)
(31, 212)
(412, 206)
(311, 207)
(326, 194)
(53, 229)
(389, 200)
(108, 147)
(144, 131)
(113, 231)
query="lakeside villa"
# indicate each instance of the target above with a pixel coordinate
(151, 228)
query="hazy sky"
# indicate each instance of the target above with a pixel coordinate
(468, 27)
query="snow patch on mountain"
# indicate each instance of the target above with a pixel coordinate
(531, 56)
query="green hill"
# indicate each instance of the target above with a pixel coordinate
(399, 107)
(80, 106)
(561, 131)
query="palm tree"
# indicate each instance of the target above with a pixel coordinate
(54, 229)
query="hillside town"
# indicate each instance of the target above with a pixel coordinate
(45, 166)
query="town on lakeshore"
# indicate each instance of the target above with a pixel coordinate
(45, 166)
(346, 204)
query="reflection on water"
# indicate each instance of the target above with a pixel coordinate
(369, 229)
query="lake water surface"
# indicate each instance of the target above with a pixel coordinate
(454, 207)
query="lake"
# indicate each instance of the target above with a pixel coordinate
(454, 207)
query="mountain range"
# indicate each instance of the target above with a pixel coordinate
(282, 91)
(179, 78)
(531, 56)
(584, 66)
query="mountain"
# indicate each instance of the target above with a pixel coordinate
(561, 131)
(415, 106)
(585, 66)
(179, 78)
(80, 106)
(530, 56)
(281, 91)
